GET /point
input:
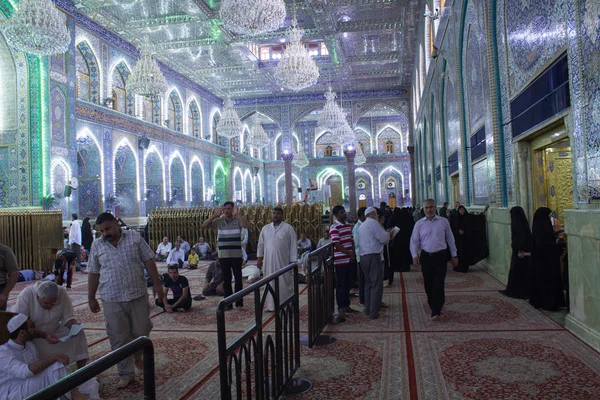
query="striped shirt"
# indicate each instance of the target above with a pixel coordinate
(229, 237)
(121, 268)
(341, 233)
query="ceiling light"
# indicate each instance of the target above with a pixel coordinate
(229, 125)
(300, 159)
(359, 158)
(37, 27)
(252, 17)
(258, 138)
(331, 117)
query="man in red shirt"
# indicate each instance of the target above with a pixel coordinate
(344, 259)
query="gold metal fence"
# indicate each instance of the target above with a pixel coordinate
(33, 235)
(187, 222)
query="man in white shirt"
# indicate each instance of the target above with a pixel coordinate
(163, 250)
(75, 237)
(277, 247)
(371, 239)
(361, 276)
(176, 256)
(23, 373)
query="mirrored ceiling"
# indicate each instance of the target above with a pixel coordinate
(357, 44)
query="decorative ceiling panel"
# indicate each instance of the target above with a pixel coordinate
(370, 43)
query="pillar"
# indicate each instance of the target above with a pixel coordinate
(231, 177)
(289, 184)
(411, 152)
(350, 154)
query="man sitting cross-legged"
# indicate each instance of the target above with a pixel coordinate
(23, 373)
(213, 285)
(179, 285)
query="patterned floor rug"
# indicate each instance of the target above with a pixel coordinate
(477, 280)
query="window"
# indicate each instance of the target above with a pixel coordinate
(313, 48)
(171, 117)
(324, 51)
(389, 147)
(265, 53)
(276, 52)
(328, 151)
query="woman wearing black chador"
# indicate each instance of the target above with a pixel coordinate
(519, 276)
(547, 292)
(460, 229)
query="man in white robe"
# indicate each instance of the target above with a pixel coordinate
(23, 373)
(277, 249)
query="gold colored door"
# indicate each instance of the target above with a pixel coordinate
(455, 183)
(362, 201)
(335, 183)
(392, 200)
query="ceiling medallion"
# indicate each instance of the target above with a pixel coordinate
(258, 138)
(300, 159)
(296, 70)
(230, 125)
(37, 27)
(331, 117)
(146, 79)
(360, 158)
(252, 17)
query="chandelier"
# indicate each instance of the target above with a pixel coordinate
(146, 79)
(331, 117)
(360, 158)
(296, 69)
(37, 27)
(230, 125)
(258, 137)
(300, 159)
(252, 17)
(345, 135)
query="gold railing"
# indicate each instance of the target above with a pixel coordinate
(33, 235)
(187, 222)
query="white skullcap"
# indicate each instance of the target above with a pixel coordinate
(46, 289)
(370, 210)
(15, 322)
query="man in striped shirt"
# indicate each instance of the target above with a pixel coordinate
(344, 259)
(229, 245)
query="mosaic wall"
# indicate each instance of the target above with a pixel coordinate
(177, 179)
(58, 104)
(197, 188)
(89, 172)
(154, 182)
(126, 182)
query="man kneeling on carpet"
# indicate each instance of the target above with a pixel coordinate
(213, 286)
(179, 285)
(23, 373)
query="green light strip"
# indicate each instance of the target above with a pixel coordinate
(45, 145)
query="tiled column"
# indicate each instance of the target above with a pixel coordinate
(289, 184)
(411, 152)
(350, 154)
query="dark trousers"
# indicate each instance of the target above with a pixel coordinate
(434, 274)
(186, 304)
(3, 308)
(76, 247)
(343, 283)
(229, 265)
(361, 285)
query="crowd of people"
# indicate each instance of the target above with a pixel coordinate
(367, 254)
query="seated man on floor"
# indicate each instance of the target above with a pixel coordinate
(213, 286)
(23, 373)
(193, 259)
(179, 285)
(163, 250)
(203, 249)
(176, 256)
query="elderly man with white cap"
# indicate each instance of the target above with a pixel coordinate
(23, 373)
(371, 239)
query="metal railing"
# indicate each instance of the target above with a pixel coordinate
(90, 371)
(321, 296)
(255, 366)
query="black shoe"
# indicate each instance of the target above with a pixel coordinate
(198, 298)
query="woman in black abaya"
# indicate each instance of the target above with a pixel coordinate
(87, 238)
(547, 291)
(400, 257)
(460, 228)
(519, 276)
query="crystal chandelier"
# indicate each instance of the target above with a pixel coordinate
(300, 159)
(37, 27)
(230, 125)
(146, 79)
(360, 158)
(296, 69)
(258, 137)
(252, 17)
(345, 135)
(331, 117)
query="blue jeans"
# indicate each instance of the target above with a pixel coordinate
(343, 284)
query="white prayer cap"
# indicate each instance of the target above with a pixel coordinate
(370, 210)
(15, 322)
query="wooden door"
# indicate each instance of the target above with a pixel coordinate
(337, 198)
(392, 200)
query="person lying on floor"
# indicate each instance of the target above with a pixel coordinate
(30, 275)
(24, 373)
(179, 285)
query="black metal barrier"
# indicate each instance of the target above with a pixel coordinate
(90, 371)
(255, 366)
(321, 295)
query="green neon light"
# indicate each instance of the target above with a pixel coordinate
(218, 165)
(45, 145)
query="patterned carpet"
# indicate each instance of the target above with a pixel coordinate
(485, 346)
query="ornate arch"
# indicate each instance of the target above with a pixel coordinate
(155, 180)
(390, 174)
(88, 74)
(280, 187)
(238, 184)
(196, 182)
(60, 174)
(126, 180)
(194, 122)
(90, 173)
(248, 191)
(324, 139)
(174, 111)
(122, 100)
(177, 178)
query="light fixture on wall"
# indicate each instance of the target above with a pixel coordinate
(252, 17)
(37, 27)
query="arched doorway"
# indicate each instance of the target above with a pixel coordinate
(126, 182)
(337, 191)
